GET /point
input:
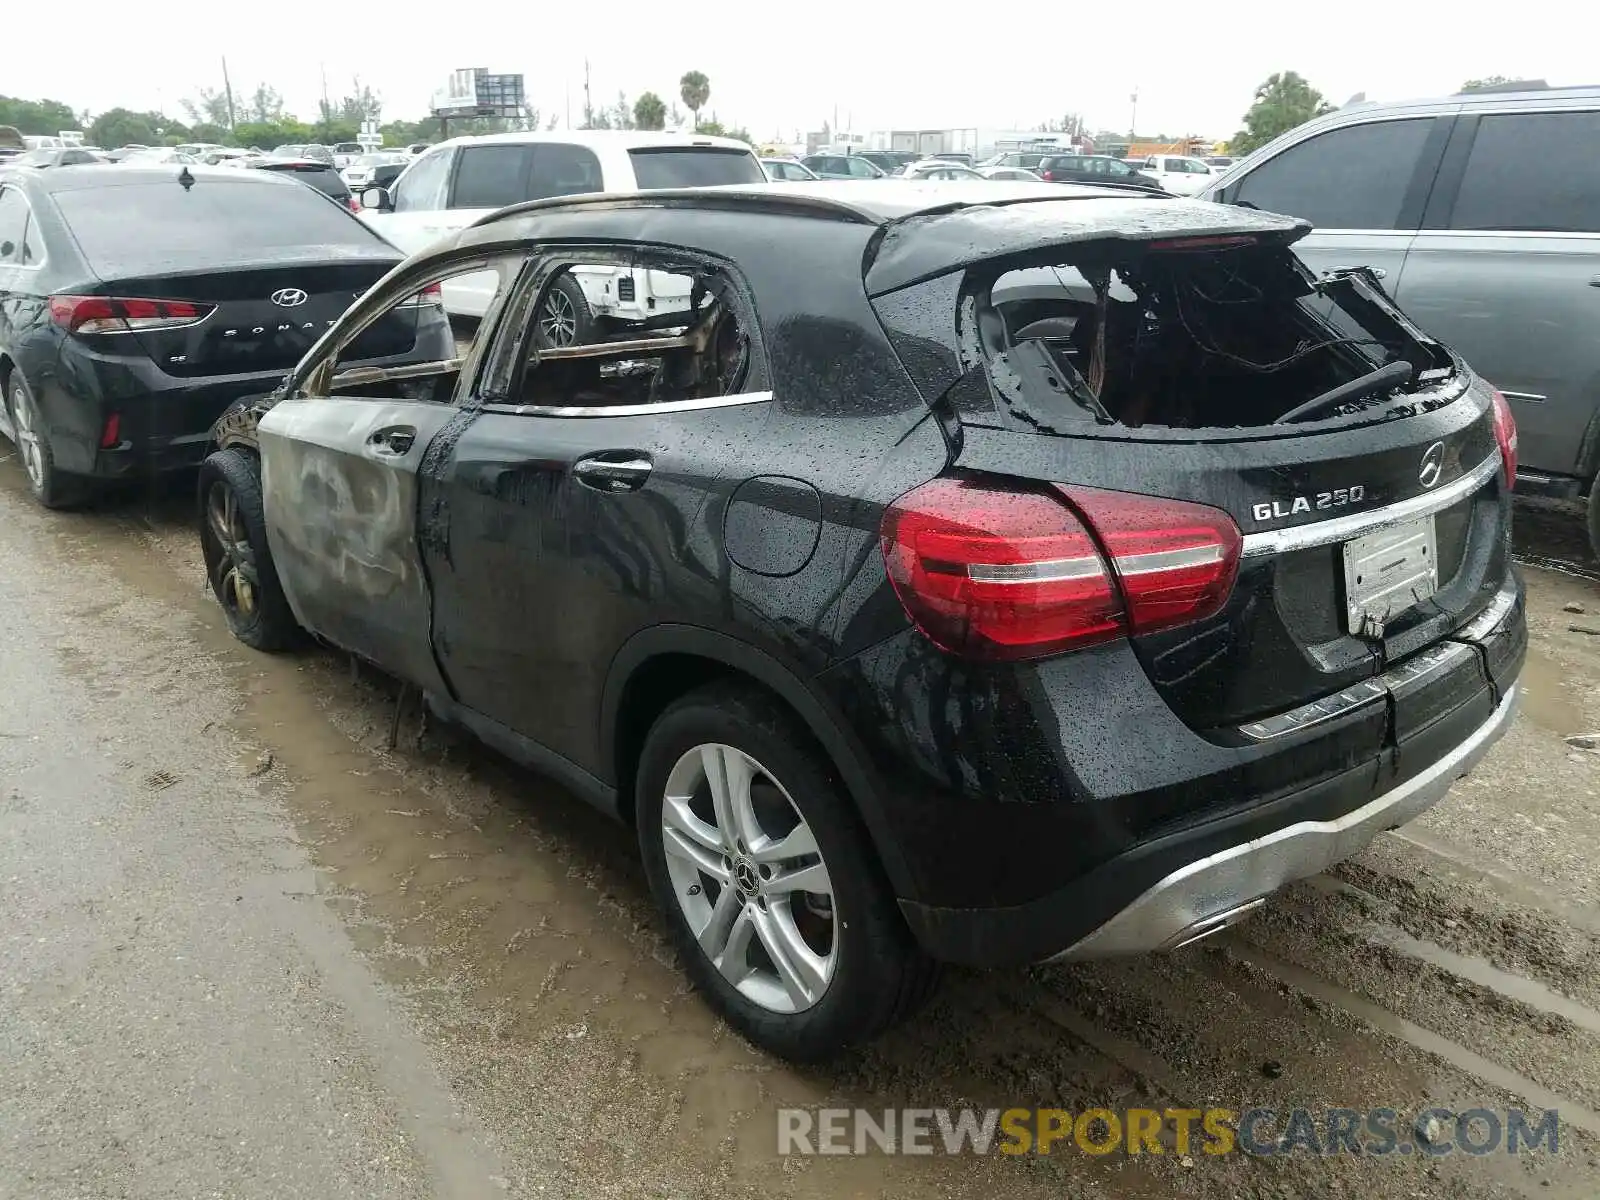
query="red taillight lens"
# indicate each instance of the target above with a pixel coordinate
(989, 572)
(111, 314)
(355, 205)
(1047, 176)
(433, 293)
(1176, 561)
(1505, 432)
(111, 435)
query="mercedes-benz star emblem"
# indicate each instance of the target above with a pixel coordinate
(288, 297)
(1432, 465)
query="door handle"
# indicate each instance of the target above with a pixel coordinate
(1595, 282)
(396, 440)
(1377, 272)
(615, 471)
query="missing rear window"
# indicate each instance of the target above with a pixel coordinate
(1193, 336)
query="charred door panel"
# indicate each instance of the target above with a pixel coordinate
(339, 478)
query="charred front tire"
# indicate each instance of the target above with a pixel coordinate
(768, 881)
(233, 541)
(565, 318)
(49, 486)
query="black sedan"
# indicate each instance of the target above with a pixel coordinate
(137, 303)
(903, 620)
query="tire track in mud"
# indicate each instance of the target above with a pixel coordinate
(517, 922)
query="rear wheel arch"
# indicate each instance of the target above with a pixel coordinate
(658, 665)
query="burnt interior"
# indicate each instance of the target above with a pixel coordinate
(1242, 335)
(688, 353)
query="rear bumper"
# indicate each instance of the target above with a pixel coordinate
(1212, 892)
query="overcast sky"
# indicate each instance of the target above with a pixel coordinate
(881, 65)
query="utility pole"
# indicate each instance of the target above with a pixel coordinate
(227, 88)
(1133, 118)
(588, 108)
(327, 113)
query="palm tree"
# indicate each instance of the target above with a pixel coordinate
(695, 89)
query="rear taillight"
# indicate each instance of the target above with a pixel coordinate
(355, 205)
(1505, 433)
(1047, 176)
(990, 572)
(1176, 561)
(111, 314)
(111, 435)
(433, 293)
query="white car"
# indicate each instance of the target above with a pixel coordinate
(937, 168)
(454, 183)
(359, 171)
(1008, 174)
(1178, 173)
(345, 153)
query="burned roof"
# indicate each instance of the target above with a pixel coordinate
(928, 228)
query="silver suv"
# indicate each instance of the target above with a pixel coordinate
(1481, 212)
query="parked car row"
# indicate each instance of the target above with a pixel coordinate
(1200, 579)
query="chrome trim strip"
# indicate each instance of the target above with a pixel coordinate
(1048, 571)
(1188, 900)
(1530, 397)
(1490, 618)
(628, 410)
(1342, 529)
(1168, 560)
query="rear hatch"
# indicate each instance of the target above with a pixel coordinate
(1278, 411)
(232, 275)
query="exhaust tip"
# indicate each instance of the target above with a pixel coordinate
(1216, 923)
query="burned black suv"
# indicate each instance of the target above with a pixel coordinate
(987, 575)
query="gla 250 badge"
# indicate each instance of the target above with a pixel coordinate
(1277, 510)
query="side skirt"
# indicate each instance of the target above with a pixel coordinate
(528, 753)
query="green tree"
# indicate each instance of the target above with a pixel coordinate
(1473, 85)
(1284, 101)
(694, 89)
(649, 111)
(37, 117)
(622, 112)
(263, 105)
(120, 127)
(209, 107)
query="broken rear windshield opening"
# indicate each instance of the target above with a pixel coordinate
(1220, 334)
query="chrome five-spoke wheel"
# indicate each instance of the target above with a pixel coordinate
(749, 878)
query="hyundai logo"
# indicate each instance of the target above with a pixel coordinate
(1432, 465)
(288, 297)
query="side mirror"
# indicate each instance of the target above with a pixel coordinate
(377, 199)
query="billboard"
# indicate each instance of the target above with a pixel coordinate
(474, 92)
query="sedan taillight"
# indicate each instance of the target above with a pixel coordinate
(1505, 434)
(992, 572)
(113, 314)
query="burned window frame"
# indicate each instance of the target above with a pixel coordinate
(324, 381)
(512, 349)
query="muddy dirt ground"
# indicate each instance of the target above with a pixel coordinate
(248, 951)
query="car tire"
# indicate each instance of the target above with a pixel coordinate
(565, 318)
(855, 969)
(50, 487)
(233, 543)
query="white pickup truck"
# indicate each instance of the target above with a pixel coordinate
(456, 182)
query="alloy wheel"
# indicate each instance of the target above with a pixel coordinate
(559, 321)
(749, 878)
(234, 577)
(23, 420)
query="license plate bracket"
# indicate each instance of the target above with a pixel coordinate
(1387, 572)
